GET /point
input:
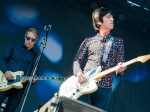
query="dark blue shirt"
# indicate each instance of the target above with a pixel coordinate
(17, 58)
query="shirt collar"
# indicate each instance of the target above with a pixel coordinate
(103, 39)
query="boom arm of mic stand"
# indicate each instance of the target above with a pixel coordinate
(44, 41)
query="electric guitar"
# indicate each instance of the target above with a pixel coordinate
(73, 89)
(19, 79)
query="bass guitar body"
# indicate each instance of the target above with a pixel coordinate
(16, 83)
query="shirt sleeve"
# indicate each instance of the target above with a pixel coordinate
(80, 56)
(4, 57)
(120, 53)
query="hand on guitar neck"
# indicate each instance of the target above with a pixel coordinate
(120, 68)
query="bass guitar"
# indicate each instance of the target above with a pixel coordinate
(73, 89)
(19, 79)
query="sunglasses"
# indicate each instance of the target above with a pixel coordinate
(29, 38)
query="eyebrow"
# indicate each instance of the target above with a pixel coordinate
(29, 36)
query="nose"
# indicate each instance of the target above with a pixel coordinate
(112, 19)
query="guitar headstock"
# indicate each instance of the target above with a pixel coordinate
(143, 59)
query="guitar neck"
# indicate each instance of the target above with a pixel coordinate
(112, 70)
(42, 78)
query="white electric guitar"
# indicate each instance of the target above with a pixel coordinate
(73, 89)
(19, 79)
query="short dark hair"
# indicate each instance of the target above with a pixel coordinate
(98, 14)
(33, 30)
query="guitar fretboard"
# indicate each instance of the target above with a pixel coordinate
(111, 70)
(40, 78)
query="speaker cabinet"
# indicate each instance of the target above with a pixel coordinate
(70, 105)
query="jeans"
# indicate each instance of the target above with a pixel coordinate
(99, 98)
(14, 97)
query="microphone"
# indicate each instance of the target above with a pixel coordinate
(47, 27)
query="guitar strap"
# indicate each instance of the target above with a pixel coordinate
(107, 49)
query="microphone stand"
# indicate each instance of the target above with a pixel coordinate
(43, 45)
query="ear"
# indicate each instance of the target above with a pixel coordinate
(99, 23)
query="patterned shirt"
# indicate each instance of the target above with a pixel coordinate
(90, 55)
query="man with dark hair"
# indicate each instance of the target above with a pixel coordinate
(103, 50)
(17, 58)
